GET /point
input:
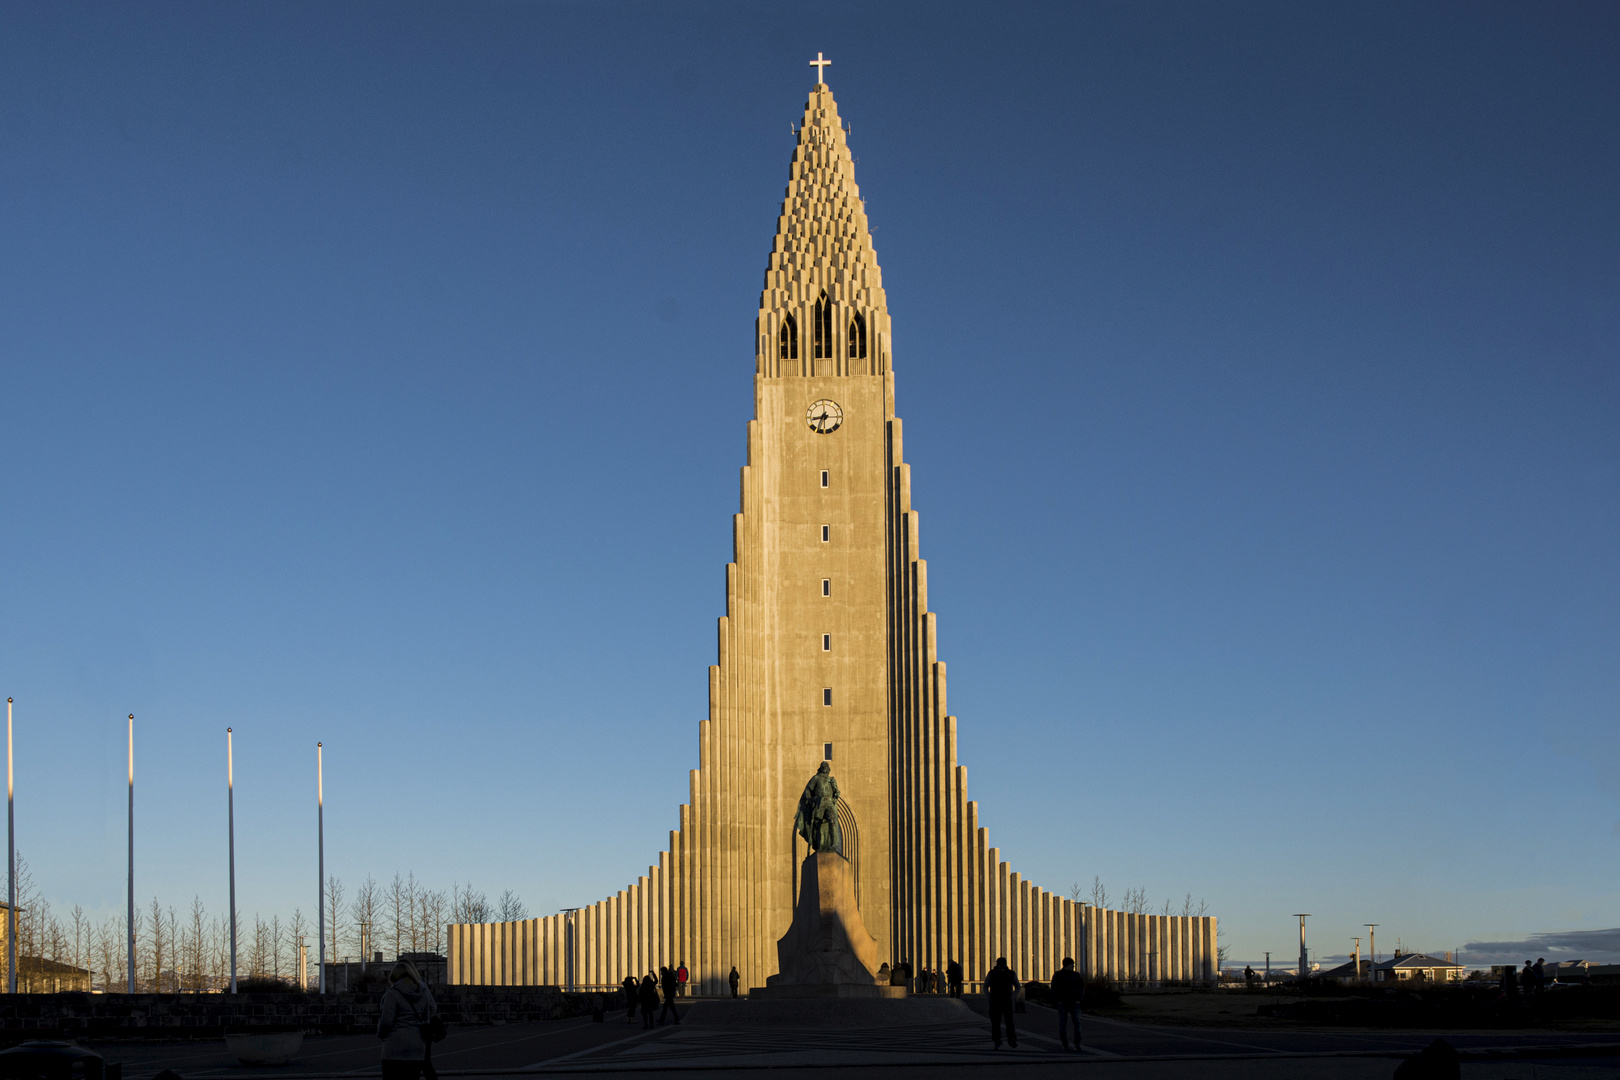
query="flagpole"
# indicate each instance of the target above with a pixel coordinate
(230, 826)
(130, 926)
(320, 868)
(11, 867)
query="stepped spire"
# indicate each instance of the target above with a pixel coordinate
(822, 311)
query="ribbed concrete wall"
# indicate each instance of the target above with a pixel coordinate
(640, 930)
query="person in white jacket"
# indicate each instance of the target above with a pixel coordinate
(406, 1008)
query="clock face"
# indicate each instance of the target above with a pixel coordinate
(824, 416)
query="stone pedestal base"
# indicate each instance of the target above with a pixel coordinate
(827, 952)
(826, 990)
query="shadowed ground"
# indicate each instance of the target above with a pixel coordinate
(784, 1039)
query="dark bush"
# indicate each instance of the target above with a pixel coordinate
(265, 984)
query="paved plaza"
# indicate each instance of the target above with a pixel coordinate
(934, 1035)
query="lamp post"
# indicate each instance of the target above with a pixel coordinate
(1372, 950)
(568, 946)
(130, 923)
(1304, 963)
(230, 828)
(320, 870)
(11, 868)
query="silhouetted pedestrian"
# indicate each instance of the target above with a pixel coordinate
(407, 1010)
(648, 992)
(1510, 985)
(1067, 989)
(681, 975)
(734, 979)
(1000, 985)
(953, 975)
(1541, 974)
(905, 969)
(925, 981)
(632, 991)
(672, 986)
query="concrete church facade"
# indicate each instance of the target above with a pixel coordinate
(827, 652)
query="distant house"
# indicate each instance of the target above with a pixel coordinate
(1346, 972)
(1416, 967)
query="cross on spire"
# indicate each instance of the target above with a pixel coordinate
(821, 67)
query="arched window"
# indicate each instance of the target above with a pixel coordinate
(821, 329)
(857, 337)
(788, 340)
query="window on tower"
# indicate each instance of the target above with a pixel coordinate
(821, 335)
(826, 751)
(857, 337)
(825, 478)
(826, 643)
(826, 696)
(826, 586)
(788, 340)
(826, 533)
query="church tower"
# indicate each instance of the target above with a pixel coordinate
(826, 651)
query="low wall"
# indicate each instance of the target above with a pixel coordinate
(209, 1016)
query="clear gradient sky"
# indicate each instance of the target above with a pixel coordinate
(378, 374)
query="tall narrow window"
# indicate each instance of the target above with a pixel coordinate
(826, 643)
(826, 696)
(857, 337)
(826, 533)
(826, 751)
(821, 335)
(787, 344)
(826, 586)
(825, 479)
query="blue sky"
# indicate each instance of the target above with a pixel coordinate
(378, 374)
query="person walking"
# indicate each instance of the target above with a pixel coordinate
(734, 979)
(648, 992)
(672, 986)
(632, 992)
(953, 975)
(1000, 985)
(1067, 989)
(402, 1024)
(1541, 974)
(681, 975)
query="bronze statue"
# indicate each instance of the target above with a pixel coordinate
(817, 819)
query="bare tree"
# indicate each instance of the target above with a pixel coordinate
(334, 916)
(277, 947)
(296, 932)
(511, 908)
(364, 911)
(398, 902)
(157, 952)
(81, 938)
(469, 906)
(1099, 894)
(431, 904)
(259, 953)
(1186, 906)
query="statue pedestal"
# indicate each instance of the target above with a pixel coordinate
(827, 952)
